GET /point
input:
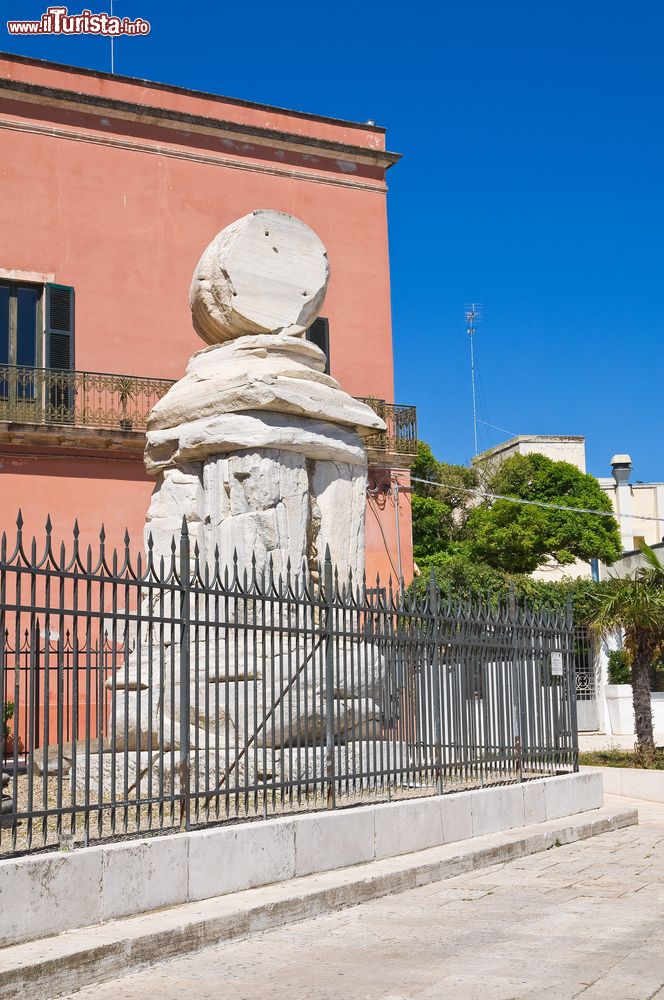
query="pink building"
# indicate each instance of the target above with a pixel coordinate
(110, 190)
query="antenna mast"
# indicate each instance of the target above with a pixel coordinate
(112, 45)
(473, 313)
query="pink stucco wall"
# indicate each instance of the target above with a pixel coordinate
(121, 207)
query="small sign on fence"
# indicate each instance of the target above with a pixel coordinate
(556, 663)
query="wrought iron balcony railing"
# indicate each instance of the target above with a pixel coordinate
(46, 396)
(78, 399)
(401, 435)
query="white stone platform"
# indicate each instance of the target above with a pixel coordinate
(56, 891)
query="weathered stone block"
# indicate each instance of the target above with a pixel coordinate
(49, 893)
(326, 840)
(534, 801)
(496, 809)
(457, 817)
(232, 858)
(404, 827)
(144, 875)
(572, 793)
(264, 271)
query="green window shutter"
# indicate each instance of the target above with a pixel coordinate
(59, 324)
(319, 334)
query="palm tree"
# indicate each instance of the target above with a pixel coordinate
(632, 607)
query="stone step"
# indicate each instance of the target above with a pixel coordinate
(50, 967)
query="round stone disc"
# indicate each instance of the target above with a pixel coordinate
(266, 271)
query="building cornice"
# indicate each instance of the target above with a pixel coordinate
(73, 440)
(182, 122)
(220, 160)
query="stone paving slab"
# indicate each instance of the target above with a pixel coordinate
(53, 966)
(537, 927)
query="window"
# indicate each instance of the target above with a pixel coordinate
(59, 327)
(319, 334)
(59, 337)
(36, 332)
(25, 339)
(20, 337)
(20, 322)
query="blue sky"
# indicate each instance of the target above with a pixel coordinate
(531, 182)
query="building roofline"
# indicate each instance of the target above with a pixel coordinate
(524, 438)
(610, 481)
(167, 117)
(637, 552)
(174, 89)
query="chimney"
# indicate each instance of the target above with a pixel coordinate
(621, 467)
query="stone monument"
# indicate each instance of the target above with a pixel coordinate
(259, 450)
(256, 446)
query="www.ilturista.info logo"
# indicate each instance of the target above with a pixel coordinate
(58, 21)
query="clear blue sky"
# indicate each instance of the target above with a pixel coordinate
(532, 181)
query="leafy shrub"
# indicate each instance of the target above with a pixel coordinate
(620, 671)
(457, 574)
(614, 757)
(7, 714)
(657, 677)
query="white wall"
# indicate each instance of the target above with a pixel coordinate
(640, 501)
(629, 562)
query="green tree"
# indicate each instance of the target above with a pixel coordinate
(633, 609)
(439, 511)
(432, 527)
(463, 577)
(518, 538)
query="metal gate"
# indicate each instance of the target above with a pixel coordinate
(585, 664)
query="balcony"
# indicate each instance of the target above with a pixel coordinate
(400, 438)
(38, 403)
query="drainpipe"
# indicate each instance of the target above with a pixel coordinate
(396, 510)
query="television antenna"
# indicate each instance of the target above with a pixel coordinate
(112, 45)
(473, 314)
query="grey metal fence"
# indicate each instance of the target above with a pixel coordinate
(149, 695)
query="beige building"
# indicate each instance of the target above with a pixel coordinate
(638, 506)
(559, 448)
(639, 510)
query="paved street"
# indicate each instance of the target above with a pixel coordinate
(585, 920)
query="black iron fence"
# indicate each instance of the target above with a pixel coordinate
(155, 694)
(55, 675)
